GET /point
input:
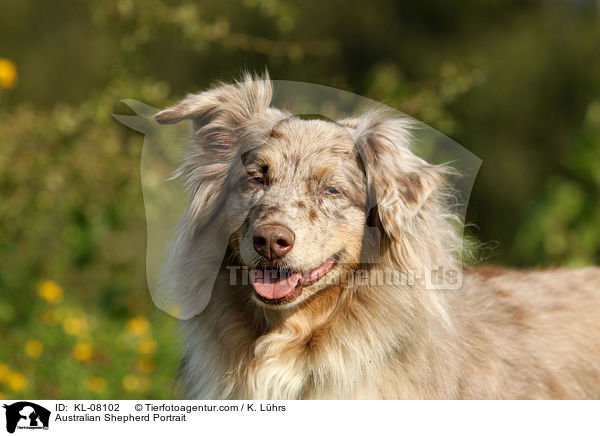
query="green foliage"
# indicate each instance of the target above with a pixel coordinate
(562, 226)
(72, 211)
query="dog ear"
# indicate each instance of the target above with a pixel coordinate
(225, 120)
(231, 104)
(222, 119)
(400, 182)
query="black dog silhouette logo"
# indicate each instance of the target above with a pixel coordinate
(26, 415)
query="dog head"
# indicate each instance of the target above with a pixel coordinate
(299, 202)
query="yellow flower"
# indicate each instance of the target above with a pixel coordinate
(16, 381)
(8, 73)
(133, 382)
(95, 384)
(82, 352)
(4, 372)
(147, 346)
(138, 326)
(50, 291)
(145, 365)
(75, 325)
(34, 348)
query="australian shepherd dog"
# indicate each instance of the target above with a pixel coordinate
(312, 211)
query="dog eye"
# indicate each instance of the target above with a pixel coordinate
(256, 180)
(331, 191)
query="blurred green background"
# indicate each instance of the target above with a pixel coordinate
(515, 82)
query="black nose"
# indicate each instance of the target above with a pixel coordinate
(273, 241)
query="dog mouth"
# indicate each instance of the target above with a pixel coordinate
(273, 285)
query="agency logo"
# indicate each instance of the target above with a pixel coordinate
(26, 415)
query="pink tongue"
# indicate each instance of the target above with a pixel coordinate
(270, 285)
